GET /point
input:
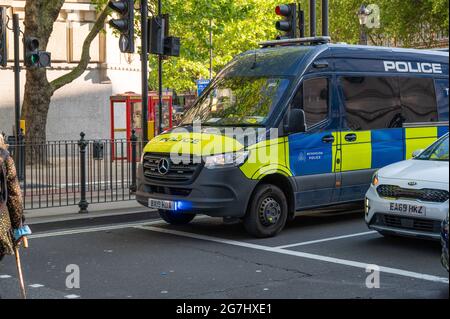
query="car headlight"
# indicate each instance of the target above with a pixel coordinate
(226, 160)
(375, 180)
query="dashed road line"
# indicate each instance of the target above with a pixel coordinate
(326, 239)
(5, 276)
(344, 262)
(36, 286)
(72, 296)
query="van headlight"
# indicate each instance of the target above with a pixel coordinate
(226, 160)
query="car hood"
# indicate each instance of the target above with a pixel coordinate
(417, 170)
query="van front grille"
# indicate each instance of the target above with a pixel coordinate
(184, 170)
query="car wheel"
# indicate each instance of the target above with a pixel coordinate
(174, 218)
(267, 212)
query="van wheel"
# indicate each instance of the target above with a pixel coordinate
(267, 213)
(176, 218)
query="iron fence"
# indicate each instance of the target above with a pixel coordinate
(76, 172)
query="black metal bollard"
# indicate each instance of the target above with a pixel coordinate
(134, 139)
(82, 143)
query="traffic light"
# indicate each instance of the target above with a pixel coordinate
(157, 32)
(125, 24)
(33, 57)
(3, 51)
(172, 46)
(159, 40)
(289, 24)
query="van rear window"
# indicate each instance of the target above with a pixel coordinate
(388, 102)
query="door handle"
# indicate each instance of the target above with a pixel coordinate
(351, 137)
(328, 139)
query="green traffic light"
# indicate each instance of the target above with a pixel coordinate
(34, 59)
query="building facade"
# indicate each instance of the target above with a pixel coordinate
(82, 105)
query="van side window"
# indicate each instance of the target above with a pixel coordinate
(371, 102)
(418, 99)
(312, 97)
(388, 102)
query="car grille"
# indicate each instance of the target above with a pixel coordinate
(426, 194)
(418, 224)
(184, 172)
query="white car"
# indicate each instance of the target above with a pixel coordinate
(411, 198)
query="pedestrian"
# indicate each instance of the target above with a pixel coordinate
(11, 208)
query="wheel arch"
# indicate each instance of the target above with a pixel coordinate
(286, 185)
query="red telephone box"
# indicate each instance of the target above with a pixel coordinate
(126, 115)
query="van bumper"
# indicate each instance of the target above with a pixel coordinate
(215, 192)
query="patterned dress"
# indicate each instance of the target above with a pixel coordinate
(11, 212)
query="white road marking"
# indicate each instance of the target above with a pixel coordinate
(327, 239)
(101, 228)
(333, 260)
(92, 230)
(72, 296)
(5, 276)
(36, 286)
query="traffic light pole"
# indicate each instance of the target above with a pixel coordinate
(144, 67)
(16, 30)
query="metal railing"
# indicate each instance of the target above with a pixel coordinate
(76, 172)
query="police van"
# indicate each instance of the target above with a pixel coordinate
(340, 112)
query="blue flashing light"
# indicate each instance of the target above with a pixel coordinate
(183, 206)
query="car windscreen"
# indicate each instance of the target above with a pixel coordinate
(436, 152)
(237, 101)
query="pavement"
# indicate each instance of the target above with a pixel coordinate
(324, 254)
(64, 213)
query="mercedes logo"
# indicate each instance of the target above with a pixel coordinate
(163, 166)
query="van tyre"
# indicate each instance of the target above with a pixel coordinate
(267, 213)
(174, 218)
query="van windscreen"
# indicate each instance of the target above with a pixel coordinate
(237, 101)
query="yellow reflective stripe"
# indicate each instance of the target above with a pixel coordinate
(419, 138)
(356, 155)
(266, 157)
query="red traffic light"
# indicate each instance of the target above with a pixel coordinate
(283, 10)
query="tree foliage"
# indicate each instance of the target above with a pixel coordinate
(238, 25)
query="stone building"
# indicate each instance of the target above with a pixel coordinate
(84, 104)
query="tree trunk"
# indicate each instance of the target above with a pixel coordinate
(40, 15)
(38, 93)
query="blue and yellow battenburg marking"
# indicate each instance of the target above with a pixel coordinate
(308, 154)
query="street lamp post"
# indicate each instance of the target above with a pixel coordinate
(363, 16)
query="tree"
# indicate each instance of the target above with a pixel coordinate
(40, 15)
(238, 26)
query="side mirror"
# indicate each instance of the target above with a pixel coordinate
(296, 122)
(417, 153)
